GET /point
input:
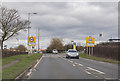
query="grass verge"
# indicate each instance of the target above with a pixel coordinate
(13, 71)
(8, 60)
(98, 58)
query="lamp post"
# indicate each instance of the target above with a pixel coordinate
(29, 20)
(29, 14)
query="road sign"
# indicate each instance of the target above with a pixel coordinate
(74, 45)
(31, 41)
(90, 42)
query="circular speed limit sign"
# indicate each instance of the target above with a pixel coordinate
(31, 39)
(90, 40)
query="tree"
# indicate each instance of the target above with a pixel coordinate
(70, 46)
(56, 43)
(10, 24)
(21, 48)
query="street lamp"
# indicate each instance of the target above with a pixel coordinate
(29, 14)
(29, 20)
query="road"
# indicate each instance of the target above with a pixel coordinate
(56, 66)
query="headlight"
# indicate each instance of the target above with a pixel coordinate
(68, 53)
(77, 54)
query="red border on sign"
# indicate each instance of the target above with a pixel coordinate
(30, 38)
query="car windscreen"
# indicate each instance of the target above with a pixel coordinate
(72, 51)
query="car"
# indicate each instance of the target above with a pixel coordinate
(72, 53)
(54, 51)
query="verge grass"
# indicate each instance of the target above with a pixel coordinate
(13, 71)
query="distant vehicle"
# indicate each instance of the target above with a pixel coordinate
(72, 53)
(55, 51)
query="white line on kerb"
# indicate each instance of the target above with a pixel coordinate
(29, 74)
(96, 70)
(37, 62)
(35, 66)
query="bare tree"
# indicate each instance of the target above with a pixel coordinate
(56, 43)
(10, 24)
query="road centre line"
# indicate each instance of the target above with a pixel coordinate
(73, 64)
(80, 64)
(76, 63)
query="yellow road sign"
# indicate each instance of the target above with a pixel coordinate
(31, 41)
(74, 47)
(90, 42)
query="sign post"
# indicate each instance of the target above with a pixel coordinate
(31, 41)
(74, 45)
(90, 42)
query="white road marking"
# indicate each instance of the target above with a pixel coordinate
(29, 74)
(87, 72)
(80, 64)
(96, 70)
(38, 61)
(70, 61)
(111, 78)
(76, 63)
(73, 64)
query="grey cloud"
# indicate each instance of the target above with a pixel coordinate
(74, 21)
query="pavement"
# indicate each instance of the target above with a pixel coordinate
(56, 66)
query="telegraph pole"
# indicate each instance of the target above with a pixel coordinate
(38, 38)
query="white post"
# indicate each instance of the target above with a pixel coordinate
(89, 51)
(92, 51)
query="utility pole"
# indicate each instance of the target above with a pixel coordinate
(38, 38)
(29, 47)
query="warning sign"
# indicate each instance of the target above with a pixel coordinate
(31, 41)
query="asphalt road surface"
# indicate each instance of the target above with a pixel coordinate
(56, 66)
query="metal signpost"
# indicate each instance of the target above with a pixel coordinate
(90, 43)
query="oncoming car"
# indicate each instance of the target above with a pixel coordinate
(72, 53)
(55, 51)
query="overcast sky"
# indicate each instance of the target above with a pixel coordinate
(67, 20)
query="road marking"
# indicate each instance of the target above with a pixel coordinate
(96, 70)
(80, 64)
(73, 64)
(29, 74)
(70, 61)
(38, 61)
(76, 63)
(87, 72)
(111, 78)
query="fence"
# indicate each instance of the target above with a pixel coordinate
(106, 50)
(110, 52)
